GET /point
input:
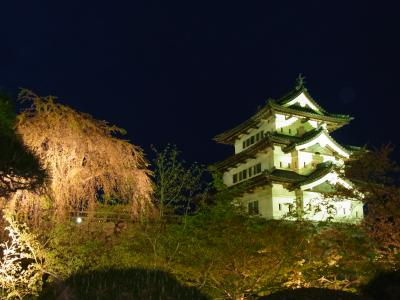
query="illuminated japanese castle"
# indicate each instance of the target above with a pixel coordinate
(286, 160)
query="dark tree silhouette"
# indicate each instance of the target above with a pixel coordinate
(122, 284)
(20, 169)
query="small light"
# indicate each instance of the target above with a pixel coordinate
(78, 220)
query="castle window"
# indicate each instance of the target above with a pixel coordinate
(282, 129)
(262, 134)
(244, 174)
(257, 137)
(257, 168)
(290, 131)
(304, 164)
(244, 144)
(288, 165)
(290, 207)
(250, 171)
(280, 206)
(235, 178)
(344, 211)
(280, 164)
(252, 140)
(247, 142)
(240, 176)
(253, 208)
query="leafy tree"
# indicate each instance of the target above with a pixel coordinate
(175, 183)
(84, 157)
(22, 264)
(376, 184)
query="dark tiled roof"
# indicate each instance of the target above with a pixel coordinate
(307, 112)
(352, 148)
(286, 176)
(229, 136)
(309, 136)
(269, 140)
(286, 138)
(283, 176)
(303, 109)
(321, 170)
(250, 152)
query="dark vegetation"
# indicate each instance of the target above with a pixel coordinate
(384, 286)
(179, 237)
(312, 294)
(121, 284)
(20, 168)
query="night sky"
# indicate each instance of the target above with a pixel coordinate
(182, 72)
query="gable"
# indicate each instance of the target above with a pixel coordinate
(305, 101)
(325, 187)
(317, 148)
(324, 140)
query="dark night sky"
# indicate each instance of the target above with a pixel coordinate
(183, 72)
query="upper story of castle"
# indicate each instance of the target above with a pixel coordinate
(289, 137)
(293, 115)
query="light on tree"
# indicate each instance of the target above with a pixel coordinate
(84, 158)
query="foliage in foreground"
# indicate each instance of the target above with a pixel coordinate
(22, 262)
(220, 250)
(121, 284)
(312, 294)
(375, 177)
(223, 254)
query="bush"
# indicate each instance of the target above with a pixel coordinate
(121, 284)
(311, 294)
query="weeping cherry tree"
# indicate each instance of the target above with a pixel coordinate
(84, 159)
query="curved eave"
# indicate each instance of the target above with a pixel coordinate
(249, 185)
(307, 137)
(268, 141)
(316, 182)
(335, 146)
(317, 177)
(335, 119)
(291, 178)
(228, 137)
(266, 178)
(241, 157)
